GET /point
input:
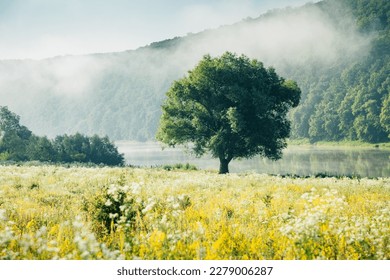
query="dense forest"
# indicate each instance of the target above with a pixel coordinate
(337, 51)
(351, 99)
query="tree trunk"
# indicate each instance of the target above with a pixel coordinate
(223, 166)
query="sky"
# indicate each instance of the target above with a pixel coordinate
(37, 29)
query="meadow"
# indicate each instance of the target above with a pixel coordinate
(54, 212)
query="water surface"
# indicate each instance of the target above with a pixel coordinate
(298, 160)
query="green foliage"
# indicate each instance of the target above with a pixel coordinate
(81, 148)
(115, 205)
(17, 143)
(385, 115)
(41, 149)
(348, 101)
(179, 166)
(230, 106)
(13, 136)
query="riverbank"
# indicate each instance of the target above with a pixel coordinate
(295, 142)
(52, 212)
(340, 144)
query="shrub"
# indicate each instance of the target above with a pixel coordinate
(117, 206)
(179, 166)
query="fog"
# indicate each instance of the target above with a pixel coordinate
(51, 95)
(295, 38)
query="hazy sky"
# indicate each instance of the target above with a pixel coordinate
(44, 28)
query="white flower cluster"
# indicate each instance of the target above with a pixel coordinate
(325, 214)
(122, 202)
(128, 199)
(27, 243)
(374, 231)
(3, 216)
(7, 235)
(87, 245)
(318, 209)
(41, 244)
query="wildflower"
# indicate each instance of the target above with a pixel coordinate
(148, 207)
(112, 189)
(78, 222)
(200, 228)
(170, 199)
(176, 206)
(136, 188)
(113, 215)
(3, 217)
(125, 188)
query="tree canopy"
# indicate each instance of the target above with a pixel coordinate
(13, 136)
(230, 106)
(18, 143)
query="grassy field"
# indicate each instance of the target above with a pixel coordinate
(49, 212)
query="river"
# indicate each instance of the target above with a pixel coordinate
(298, 160)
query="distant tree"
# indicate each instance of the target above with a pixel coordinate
(385, 115)
(104, 151)
(14, 137)
(230, 106)
(18, 143)
(74, 148)
(41, 149)
(81, 148)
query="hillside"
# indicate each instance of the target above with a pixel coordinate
(337, 51)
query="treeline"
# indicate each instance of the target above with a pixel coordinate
(350, 100)
(18, 143)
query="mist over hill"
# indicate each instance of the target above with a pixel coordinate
(337, 51)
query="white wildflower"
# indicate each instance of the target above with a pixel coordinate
(3, 217)
(115, 197)
(125, 189)
(122, 220)
(78, 222)
(176, 206)
(164, 219)
(176, 213)
(148, 207)
(112, 189)
(200, 228)
(113, 215)
(136, 188)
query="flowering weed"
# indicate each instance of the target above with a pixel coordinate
(115, 213)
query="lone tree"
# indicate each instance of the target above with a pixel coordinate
(230, 106)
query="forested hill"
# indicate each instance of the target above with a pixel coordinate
(337, 51)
